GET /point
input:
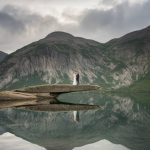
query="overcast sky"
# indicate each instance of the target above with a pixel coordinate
(25, 21)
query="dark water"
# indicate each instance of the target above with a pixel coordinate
(123, 120)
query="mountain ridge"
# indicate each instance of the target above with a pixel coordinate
(2, 55)
(54, 58)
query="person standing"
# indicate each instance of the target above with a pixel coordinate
(76, 79)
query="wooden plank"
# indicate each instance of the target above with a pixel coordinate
(59, 88)
(42, 92)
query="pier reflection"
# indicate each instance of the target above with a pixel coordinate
(46, 105)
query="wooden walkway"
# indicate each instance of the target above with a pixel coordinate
(41, 96)
(58, 88)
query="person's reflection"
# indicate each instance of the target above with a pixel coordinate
(76, 116)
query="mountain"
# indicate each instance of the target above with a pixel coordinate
(117, 63)
(2, 55)
(133, 50)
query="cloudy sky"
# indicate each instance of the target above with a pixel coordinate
(25, 21)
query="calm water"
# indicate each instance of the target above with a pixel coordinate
(123, 120)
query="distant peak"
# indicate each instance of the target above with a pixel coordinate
(147, 28)
(59, 34)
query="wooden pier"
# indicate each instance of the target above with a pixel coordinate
(40, 97)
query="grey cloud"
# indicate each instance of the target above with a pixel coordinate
(14, 18)
(94, 19)
(19, 27)
(122, 17)
(108, 2)
(7, 22)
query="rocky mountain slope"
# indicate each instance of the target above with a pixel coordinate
(117, 63)
(133, 50)
(2, 55)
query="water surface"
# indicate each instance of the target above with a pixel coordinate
(123, 120)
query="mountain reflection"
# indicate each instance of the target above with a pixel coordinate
(123, 120)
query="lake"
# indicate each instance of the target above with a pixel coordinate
(122, 122)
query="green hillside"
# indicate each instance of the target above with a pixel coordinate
(142, 85)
